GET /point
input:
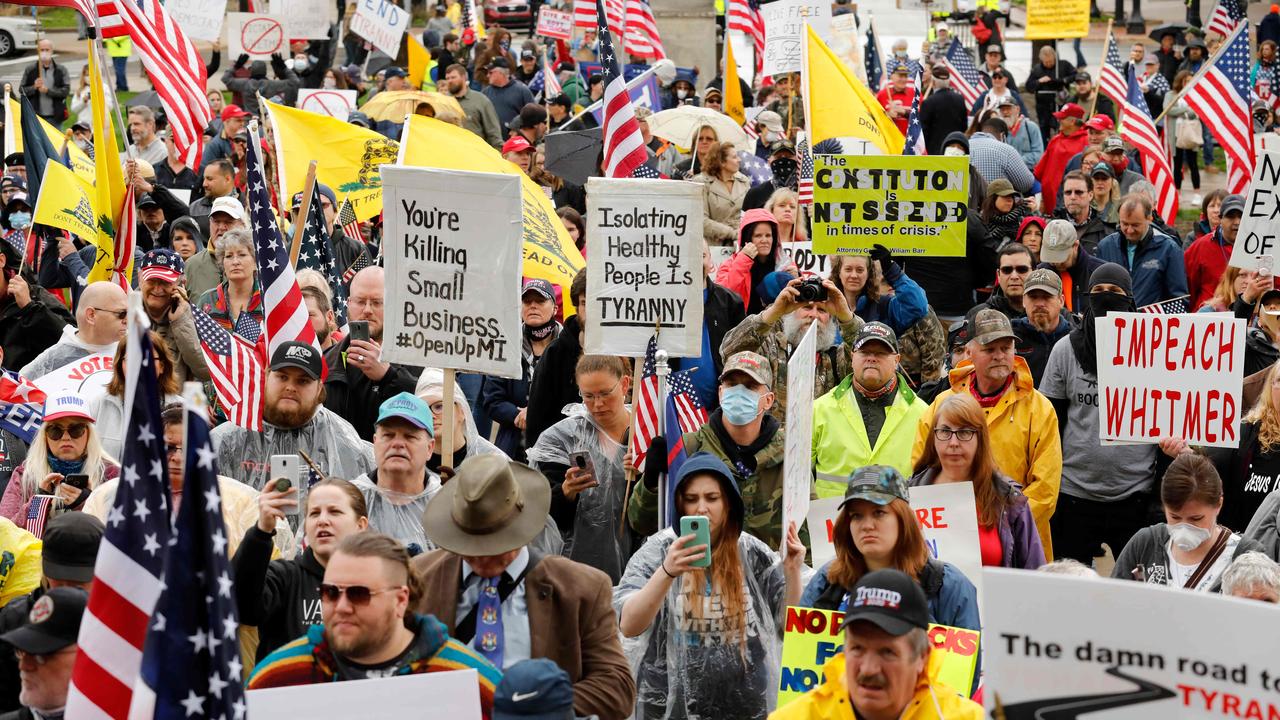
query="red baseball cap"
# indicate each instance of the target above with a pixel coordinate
(233, 111)
(516, 144)
(1100, 122)
(1068, 110)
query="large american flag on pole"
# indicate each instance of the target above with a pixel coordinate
(236, 368)
(915, 132)
(1227, 14)
(646, 406)
(127, 575)
(126, 238)
(1111, 78)
(624, 149)
(642, 38)
(1220, 97)
(584, 14)
(965, 78)
(1139, 130)
(744, 16)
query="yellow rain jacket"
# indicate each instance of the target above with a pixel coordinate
(830, 700)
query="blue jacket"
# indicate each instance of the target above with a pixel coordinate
(1157, 269)
(906, 307)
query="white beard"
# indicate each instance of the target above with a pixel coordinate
(795, 330)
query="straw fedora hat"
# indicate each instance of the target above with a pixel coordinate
(492, 506)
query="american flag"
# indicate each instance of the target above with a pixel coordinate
(191, 664)
(126, 237)
(684, 414)
(176, 70)
(915, 133)
(469, 19)
(38, 514)
(871, 59)
(1181, 304)
(646, 406)
(1111, 78)
(315, 252)
(744, 16)
(127, 575)
(584, 15)
(642, 38)
(347, 220)
(1220, 97)
(804, 187)
(756, 170)
(236, 368)
(247, 327)
(360, 263)
(624, 149)
(550, 83)
(286, 314)
(1226, 16)
(1140, 131)
(965, 77)
(21, 406)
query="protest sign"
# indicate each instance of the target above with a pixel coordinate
(1053, 19)
(846, 43)
(452, 694)
(797, 476)
(334, 103)
(255, 34)
(645, 241)
(784, 22)
(1065, 647)
(381, 23)
(556, 24)
(807, 262)
(453, 292)
(86, 377)
(199, 19)
(915, 206)
(1170, 375)
(1259, 233)
(947, 515)
(811, 637)
(305, 19)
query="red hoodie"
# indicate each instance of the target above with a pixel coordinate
(1053, 165)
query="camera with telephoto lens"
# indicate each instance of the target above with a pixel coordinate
(811, 290)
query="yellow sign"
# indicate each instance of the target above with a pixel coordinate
(915, 206)
(812, 637)
(1054, 19)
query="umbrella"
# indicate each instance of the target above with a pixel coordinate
(680, 125)
(1176, 29)
(572, 155)
(148, 98)
(394, 105)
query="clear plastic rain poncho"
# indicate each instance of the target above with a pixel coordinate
(431, 387)
(399, 514)
(595, 540)
(691, 668)
(327, 439)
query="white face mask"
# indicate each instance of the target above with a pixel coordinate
(1187, 537)
(300, 64)
(45, 56)
(330, 83)
(682, 93)
(954, 151)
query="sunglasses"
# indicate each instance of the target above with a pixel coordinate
(119, 314)
(40, 658)
(1011, 269)
(55, 432)
(358, 595)
(1075, 192)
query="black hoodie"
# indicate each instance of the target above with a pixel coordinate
(279, 597)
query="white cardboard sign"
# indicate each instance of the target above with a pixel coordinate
(784, 22)
(305, 19)
(644, 238)
(382, 23)
(334, 103)
(1170, 375)
(797, 475)
(453, 291)
(807, 261)
(1259, 234)
(255, 34)
(199, 19)
(454, 694)
(86, 377)
(1056, 646)
(554, 23)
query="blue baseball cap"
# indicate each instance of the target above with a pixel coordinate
(535, 689)
(410, 408)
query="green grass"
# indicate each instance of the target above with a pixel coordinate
(59, 18)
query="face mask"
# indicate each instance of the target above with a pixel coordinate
(46, 56)
(784, 171)
(682, 93)
(954, 152)
(900, 53)
(1188, 537)
(1105, 302)
(1119, 165)
(740, 405)
(19, 220)
(300, 65)
(330, 83)
(506, 44)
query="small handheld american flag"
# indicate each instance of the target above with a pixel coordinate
(236, 367)
(1172, 306)
(316, 252)
(965, 77)
(685, 413)
(646, 406)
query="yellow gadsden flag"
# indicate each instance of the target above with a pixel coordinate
(66, 201)
(80, 161)
(733, 106)
(839, 105)
(419, 62)
(109, 184)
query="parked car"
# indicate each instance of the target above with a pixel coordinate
(508, 13)
(17, 35)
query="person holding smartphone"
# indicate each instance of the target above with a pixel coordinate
(711, 634)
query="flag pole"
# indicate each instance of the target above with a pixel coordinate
(1106, 43)
(636, 375)
(299, 223)
(447, 413)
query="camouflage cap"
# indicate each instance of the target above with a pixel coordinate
(753, 364)
(1044, 280)
(879, 484)
(990, 325)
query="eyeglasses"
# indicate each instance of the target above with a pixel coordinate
(119, 314)
(593, 397)
(172, 449)
(1075, 192)
(945, 434)
(358, 595)
(1011, 269)
(436, 407)
(40, 658)
(55, 432)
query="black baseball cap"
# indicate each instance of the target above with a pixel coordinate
(145, 200)
(71, 546)
(890, 600)
(298, 355)
(53, 622)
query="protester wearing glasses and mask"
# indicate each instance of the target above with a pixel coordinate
(100, 319)
(67, 444)
(369, 629)
(1013, 266)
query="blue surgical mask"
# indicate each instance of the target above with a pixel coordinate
(740, 404)
(19, 220)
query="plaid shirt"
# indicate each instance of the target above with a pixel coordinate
(994, 159)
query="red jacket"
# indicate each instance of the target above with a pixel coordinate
(887, 95)
(1053, 165)
(735, 273)
(1206, 260)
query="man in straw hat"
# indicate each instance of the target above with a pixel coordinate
(509, 602)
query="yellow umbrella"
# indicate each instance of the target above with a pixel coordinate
(394, 105)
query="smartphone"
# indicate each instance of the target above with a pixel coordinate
(700, 527)
(359, 330)
(582, 461)
(1266, 265)
(285, 467)
(80, 482)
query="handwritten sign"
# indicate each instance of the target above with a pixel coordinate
(784, 22)
(199, 19)
(644, 239)
(797, 478)
(334, 103)
(807, 262)
(556, 24)
(1052, 19)
(381, 23)
(256, 35)
(304, 19)
(86, 377)
(1258, 240)
(811, 637)
(915, 206)
(1170, 375)
(453, 292)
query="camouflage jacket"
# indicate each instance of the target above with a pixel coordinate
(923, 349)
(834, 363)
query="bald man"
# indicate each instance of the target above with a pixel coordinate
(100, 321)
(358, 381)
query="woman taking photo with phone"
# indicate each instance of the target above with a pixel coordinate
(282, 597)
(710, 632)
